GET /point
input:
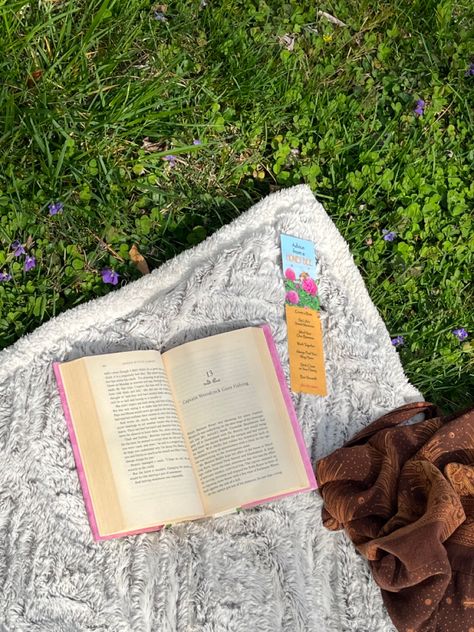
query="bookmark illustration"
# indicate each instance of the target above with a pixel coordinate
(305, 335)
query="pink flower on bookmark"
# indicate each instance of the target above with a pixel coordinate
(292, 297)
(309, 286)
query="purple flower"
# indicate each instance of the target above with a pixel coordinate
(171, 160)
(4, 276)
(398, 341)
(461, 334)
(160, 17)
(30, 263)
(110, 276)
(18, 249)
(196, 141)
(470, 70)
(290, 274)
(292, 297)
(55, 208)
(420, 108)
(389, 235)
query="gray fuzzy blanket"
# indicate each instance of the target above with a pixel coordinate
(273, 568)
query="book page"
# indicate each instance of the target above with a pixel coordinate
(150, 464)
(237, 424)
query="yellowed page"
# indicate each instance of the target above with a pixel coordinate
(232, 409)
(150, 464)
(90, 441)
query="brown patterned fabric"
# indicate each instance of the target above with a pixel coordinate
(405, 495)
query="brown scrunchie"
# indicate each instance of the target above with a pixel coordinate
(405, 495)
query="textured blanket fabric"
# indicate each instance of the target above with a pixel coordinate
(273, 568)
(404, 493)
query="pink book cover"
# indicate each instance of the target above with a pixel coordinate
(291, 412)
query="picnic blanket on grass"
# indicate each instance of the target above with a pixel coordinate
(268, 569)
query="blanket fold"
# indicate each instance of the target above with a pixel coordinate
(405, 495)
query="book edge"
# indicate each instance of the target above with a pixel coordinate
(122, 534)
(270, 499)
(76, 452)
(81, 472)
(291, 410)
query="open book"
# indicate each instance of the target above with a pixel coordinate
(199, 430)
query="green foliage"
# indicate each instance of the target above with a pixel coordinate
(94, 95)
(305, 299)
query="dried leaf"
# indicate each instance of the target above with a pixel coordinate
(288, 41)
(312, 29)
(138, 259)
(33, 78)
(159, 11)
(331, 18)
(150, 146)
(29, 242)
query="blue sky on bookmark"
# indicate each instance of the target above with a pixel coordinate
(299, 255)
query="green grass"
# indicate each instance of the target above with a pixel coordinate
(83, 83)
